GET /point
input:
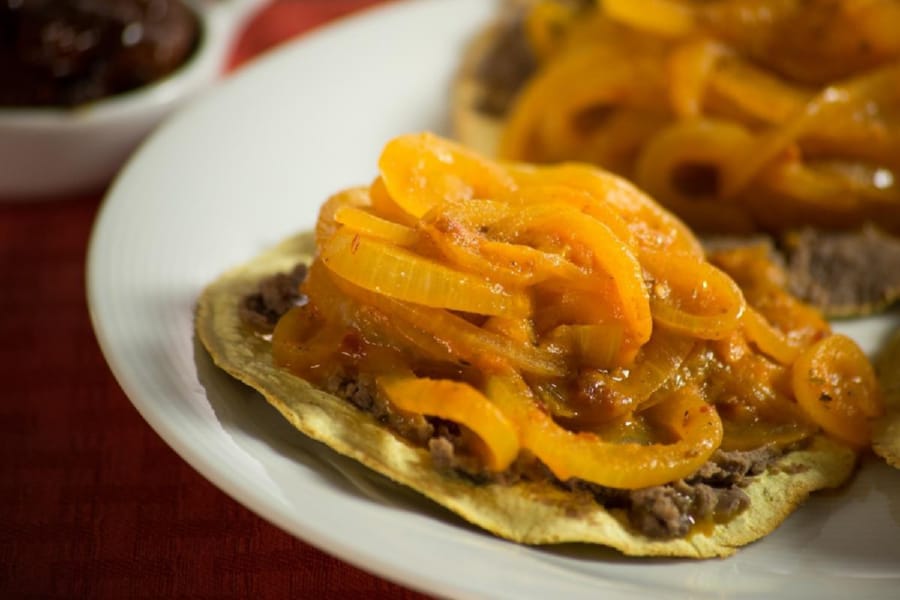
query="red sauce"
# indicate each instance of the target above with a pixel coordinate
(69, 52)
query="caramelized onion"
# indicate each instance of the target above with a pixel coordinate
(693, 297)
(836, 387)
(363, 221)
(422, 170)
(560, 311)
(401, 274)
(694, 426)
(459, 402)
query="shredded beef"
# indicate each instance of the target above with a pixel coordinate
(713, 493)
(506, 66)
(360, 391)
(661, 511)
(671, 510)
(666, 511)
(274, 296)
(844, 273)
(443, 454)
(510, 62)
(448, 448)
(730, 503)
(734, 467)
(450, 453)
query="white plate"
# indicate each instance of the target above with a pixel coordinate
(248, 165)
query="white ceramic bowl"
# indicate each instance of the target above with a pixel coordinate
(48, 152)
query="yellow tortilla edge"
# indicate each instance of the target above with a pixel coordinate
(886, 430)
(529, 513)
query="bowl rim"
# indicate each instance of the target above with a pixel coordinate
(218, 24)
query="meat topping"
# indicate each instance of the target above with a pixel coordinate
(361, 392)
(510, 61)
(505, 67)
(274, 296)
(713, 493)
(844, 273)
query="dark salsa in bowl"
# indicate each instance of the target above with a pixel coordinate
(64, 53)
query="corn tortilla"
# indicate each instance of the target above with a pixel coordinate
(886, 432)
(526, 512)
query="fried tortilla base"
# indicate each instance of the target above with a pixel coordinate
(528, 512)
(886, 431)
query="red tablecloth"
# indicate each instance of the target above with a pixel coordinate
(92, 502)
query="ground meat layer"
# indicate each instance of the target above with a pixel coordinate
(509, 62)
(274, 297)
(506, 66)
(713, 494)
(844, 272)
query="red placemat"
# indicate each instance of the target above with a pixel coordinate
(92, 502)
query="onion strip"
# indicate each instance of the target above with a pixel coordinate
(400, 274)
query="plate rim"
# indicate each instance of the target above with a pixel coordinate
(207, 468)
(407, 576)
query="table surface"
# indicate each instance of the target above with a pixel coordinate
(92, 502)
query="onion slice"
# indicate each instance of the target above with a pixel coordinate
(400, 274)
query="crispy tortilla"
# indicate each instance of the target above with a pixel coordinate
(886, 432)
(526, 512)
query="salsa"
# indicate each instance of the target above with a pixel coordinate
(69, 52)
